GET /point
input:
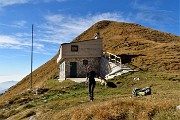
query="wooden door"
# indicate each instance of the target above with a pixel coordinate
(73, 69)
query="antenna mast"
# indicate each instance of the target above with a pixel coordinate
(31, 59)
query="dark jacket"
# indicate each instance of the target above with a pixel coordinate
(91, 75)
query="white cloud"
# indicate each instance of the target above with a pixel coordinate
(15, 24)
(54, 18)
(4, 3)
(57, 29)
(7, 41)
(14, 42)
(61, 0)
(149, 14)
(54, 0)
(14, 77)
(63, 28)
(144, 5)
(20, 23)
(23, 35)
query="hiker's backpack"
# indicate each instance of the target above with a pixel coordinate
(141, 91)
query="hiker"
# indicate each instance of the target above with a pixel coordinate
(91, 74)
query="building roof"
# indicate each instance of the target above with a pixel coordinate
(81, 41)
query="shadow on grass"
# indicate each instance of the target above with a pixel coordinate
(111, 84)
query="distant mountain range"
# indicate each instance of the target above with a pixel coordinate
(4, 86)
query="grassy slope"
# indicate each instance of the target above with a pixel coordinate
(159, 50)
(69, 100)
(160, 53)
(47, 71)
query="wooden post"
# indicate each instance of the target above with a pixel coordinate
(114, 58)
(109, 56)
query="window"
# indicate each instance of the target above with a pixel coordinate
(74, 48)
(85, 62)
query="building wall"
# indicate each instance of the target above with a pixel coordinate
(60, 54)
(81, 68)
(90, 48)
(62, 71)
(104, 67)
(100, 65)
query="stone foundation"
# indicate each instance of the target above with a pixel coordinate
(81, 67)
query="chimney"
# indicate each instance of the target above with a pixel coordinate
(96, 35)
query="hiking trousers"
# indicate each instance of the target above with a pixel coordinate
(91, 87)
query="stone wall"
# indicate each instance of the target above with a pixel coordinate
(81, 68)
(104, 67)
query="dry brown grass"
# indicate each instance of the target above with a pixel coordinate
(47, 71)
(68, 100)
(160, 52)
(160, 49)
(118, 109)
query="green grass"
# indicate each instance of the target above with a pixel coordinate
(70, 96)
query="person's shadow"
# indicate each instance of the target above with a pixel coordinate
(111, 84)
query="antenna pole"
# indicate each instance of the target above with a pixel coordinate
(31, 59)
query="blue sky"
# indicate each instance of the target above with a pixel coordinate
(59, 21)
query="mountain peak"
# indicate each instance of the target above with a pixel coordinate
(154, 51)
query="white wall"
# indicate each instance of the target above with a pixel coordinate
(62, 71)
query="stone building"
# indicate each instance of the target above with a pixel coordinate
(74, 58)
